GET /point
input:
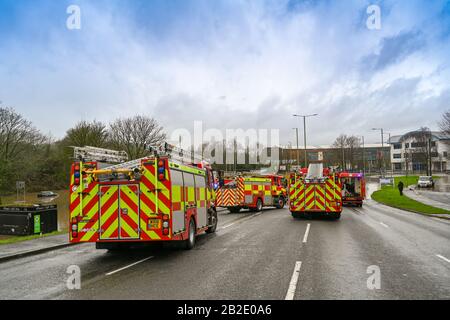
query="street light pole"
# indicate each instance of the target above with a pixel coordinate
(304, 132)
(364, 156)
(297, 152)
(382, 150)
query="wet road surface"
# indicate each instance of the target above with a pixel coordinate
(258, 256)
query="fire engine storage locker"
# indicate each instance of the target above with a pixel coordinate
(28, 219)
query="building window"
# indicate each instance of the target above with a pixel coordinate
(397, 145)
(444, 154)
(433, 143)
(397, 155)
(406, 145)
(397, 166)
(417, 144)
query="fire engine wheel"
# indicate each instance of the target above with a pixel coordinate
(281, 203)
(336, 216)
(213, 226)
(259, 205)
(190, 241)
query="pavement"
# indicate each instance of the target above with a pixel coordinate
(438, 196)
(435, 199)
(28, 247)
(268, 255)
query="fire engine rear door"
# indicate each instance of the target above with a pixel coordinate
(129, 212)
(109, 212)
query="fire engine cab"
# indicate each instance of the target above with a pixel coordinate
(163, 197)
(353, 188)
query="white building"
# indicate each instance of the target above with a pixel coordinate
(408, 154)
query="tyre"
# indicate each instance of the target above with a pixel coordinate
(297, 215)
(213, 226)
(336, 216)
(234, 209)
(281, 203)
(259, 205)
(189, 243)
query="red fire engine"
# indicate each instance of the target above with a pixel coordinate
(353, 188)
(162, 197)
(251, 192)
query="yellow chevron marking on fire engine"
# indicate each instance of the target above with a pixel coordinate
(105, 215)
(134, 216)
(94, 210)
(149, 194)
(310, 193)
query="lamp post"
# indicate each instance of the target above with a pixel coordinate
(304, 131)
(297, 151)
(381, 154)
(364, 156)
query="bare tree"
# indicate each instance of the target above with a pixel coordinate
(353, 145)
(85, 133)
(444, 124)
(341, 143)
(135, 134)
(16, 134)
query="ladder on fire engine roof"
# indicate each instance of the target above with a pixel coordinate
(89, 153)
(315, 171)
(171, 151)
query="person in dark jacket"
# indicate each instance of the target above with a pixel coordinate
(400, 187)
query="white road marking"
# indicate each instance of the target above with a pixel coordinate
(240, 220)
(305, 237)
(384, 225)
(443, 258)
(129, 266)
(293, 284)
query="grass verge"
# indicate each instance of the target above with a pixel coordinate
(391, 197)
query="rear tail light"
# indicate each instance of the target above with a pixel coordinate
(76, 173)
(161, 170)
(74, 227)
(165, 224)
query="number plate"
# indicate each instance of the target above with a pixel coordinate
(154, 223)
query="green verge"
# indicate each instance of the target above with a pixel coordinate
(391, 197)
(14, 239)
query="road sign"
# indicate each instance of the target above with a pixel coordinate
(20, 185)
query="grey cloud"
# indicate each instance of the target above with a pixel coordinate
(394, 49)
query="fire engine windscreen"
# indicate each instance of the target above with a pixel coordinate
(315, 171)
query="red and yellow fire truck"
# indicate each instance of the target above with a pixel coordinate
(251, 192)
(353, 188)
(315, 191)
(156, 198)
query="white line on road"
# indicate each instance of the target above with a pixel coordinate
(305, 237)
(443, 258)
(293, 285)
(129, 266)
(384, 225)
(240, 220)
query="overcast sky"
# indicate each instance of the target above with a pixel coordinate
(230, 64)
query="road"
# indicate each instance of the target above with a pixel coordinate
(262, 256)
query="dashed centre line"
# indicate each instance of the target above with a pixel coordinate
(294, 280)
(129, 266)
(443, 258)
(305, 237)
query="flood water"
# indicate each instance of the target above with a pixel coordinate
(442, 184)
